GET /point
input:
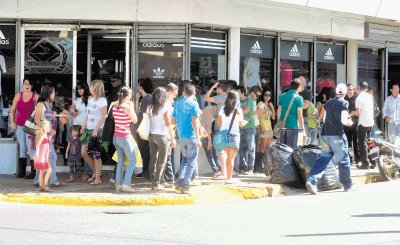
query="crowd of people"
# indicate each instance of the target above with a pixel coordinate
(341, 121)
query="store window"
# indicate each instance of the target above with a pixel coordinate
(7, 66)
(257, 62)
(208, 59)
(295, 62)
(331, 67)
(48, 60)
(370, 67)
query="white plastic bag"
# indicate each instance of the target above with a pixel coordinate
(144, 127)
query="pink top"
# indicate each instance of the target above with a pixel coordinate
(24, 109)
(41, 162)
(122, 122)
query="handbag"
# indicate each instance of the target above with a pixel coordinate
(30, 126)
(109, 126)
(144, 127)
(282, 124)
(221, 138)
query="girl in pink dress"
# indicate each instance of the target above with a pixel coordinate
(42, 154)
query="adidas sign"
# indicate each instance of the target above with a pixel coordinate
(256, 49)
(3, 39)
(328, 55)
(294, 52)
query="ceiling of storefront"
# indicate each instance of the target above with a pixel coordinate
(387, 9)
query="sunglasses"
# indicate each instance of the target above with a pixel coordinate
(267, 95)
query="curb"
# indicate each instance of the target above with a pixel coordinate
(199, 195)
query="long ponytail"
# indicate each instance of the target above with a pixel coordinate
(122, 94)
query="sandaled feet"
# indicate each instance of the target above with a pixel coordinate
(91, 179)
(220, 177)
(157, 188)
(56, 184)
(85, 178)
(95, 182)
(71, 180)
(44, 188)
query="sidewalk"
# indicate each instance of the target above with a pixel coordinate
(82, 194)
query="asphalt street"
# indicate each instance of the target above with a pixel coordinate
(369, 215)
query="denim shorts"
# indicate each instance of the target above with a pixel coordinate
(234, 141)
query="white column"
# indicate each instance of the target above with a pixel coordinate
(234, 54)
(352, 62)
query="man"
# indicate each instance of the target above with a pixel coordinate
(351, 131)
(247, 150)
(116, 84)
(305, 93)
(169, 174)
(334, 142)
(365, 111)
(391, 112)
(295, 117)
(186, 116)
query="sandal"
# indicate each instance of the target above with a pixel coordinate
(91, 179)
(220, 177)
(85, 178)
(71, 180)
(95, 183)
(45, 188)
(56, 184)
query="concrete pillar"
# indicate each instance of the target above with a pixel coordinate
(352, 62)
(234, 54)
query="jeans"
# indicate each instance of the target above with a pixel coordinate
(189, 152)
(169, 173)
(312, 133)
(333, 148)
(393, 130)
(53, 165)
(363, 134)
(24, 143)
(211, 156)
(159, 145)
(247, 149)
(352, 135)
(125, 149)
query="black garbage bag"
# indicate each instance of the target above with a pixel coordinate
(281, 167)
(304, 158)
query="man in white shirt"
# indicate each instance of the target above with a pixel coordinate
(365, 111)
(391, 112)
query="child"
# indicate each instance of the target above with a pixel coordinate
(73, 153)
(41, 159)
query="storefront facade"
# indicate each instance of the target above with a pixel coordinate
(196, 41)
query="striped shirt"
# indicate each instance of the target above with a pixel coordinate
(122, 122)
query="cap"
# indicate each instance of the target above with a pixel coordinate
(341, 89)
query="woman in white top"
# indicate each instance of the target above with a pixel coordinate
(161, 135)
(227, 156)
(79, 105)
(93, 128)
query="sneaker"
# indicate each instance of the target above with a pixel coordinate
(231, 181)
(216, 174)
(235, 174)
(248, 173)
(168, 185)
(362, 166)
(349, 189)
(185, 191)
(112, 182)
(195, 182)
(118, 188)
(127, 188)
(312, 189)
(241, 172)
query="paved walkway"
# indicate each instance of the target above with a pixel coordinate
(82, 194)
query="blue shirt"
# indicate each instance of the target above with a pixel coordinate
(284, 101)
(333, 125)
(184, 110)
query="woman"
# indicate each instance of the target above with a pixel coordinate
(92, 129)
(161, 134)
(23, 105)
(227, 156)
(124, 115)
(44, 112)
(265, 115)
(79, 113)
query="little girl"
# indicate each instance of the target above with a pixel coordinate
(73, 153)
(41, 159)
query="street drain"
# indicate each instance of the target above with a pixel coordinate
(117, 212)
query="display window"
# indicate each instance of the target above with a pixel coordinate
(257, 62)
(7, 65)
(295, 62)
(331, 68)
(208, 57)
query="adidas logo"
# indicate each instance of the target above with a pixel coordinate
(294, 52)
(329, 55)
(256, 49)
(158, 73)
(3, 39)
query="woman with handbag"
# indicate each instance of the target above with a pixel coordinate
(44, 112)
(93, 128)
(229, 121)
(22, 107)
(124, 115)
(161, 136)
(266, 115)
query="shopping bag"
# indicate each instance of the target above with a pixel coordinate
(139, 161)
(144, 127)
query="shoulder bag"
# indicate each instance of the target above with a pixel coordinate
(221, 138)
(30, 126)
(282, 124)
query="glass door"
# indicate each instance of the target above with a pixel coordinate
(108, 56)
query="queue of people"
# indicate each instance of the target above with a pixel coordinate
(191, 122)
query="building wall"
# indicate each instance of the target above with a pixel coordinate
(244, 14)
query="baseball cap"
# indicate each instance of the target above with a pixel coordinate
(341, 89)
